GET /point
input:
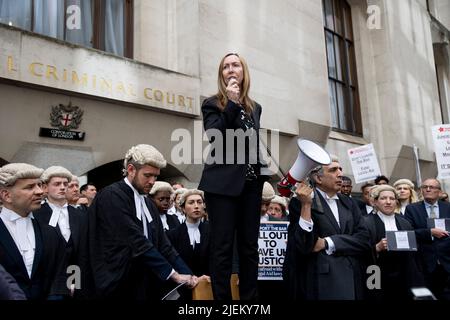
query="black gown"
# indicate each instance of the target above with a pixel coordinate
(72, 252)
(399, 269)
(196, 258)
(125, 264)
(45, 263)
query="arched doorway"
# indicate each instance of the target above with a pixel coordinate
(111, 172)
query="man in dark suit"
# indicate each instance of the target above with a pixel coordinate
(130, 254)
(365, 204)
(433, 243)
(70, 227)
(27, 249)
(327, 241)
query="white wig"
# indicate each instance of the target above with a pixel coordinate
(56, 171)
(144, 154)
(10, 173)
(161, 186)
(188, 193)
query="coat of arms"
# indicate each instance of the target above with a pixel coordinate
(66, 117)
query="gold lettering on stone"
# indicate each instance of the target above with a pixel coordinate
(32, 69)
(11, 64)
(51, 71)
(76, 79)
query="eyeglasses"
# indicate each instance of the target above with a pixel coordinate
(430, 187)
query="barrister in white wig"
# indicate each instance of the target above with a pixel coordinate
(400, 270)
(175, 209)
(268, 193)
(28, 250)
(70, 225)
(161, 194)
(191, 238)
(130, 254)
(277, 209)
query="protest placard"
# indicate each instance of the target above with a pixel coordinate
(272, 249)
(364, 163)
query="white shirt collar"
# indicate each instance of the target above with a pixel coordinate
(12, 215)
(326, 197)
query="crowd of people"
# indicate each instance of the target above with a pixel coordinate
(138, 237)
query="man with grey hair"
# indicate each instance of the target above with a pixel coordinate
(70, 226)
(27, 249)
(73, 192)
(131, 257)
(327, 241)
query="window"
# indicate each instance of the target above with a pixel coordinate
(343, 87)
(105, 25)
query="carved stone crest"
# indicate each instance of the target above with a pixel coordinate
(66, 117)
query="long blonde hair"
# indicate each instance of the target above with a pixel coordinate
(247, 102)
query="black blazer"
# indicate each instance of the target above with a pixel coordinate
(361, 205)
(73, 252)
(430, 249)
(222, 178)
(44, 265)
(316, 275)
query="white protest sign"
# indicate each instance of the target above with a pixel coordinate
(364, 163)
(441, 139)
(272, 249)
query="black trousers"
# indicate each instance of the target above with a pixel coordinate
(229, 216)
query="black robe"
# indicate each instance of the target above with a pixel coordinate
(125, 264)
(196, 258)
(72, 253)
(172, 221)
(399, 269)
(45, 264)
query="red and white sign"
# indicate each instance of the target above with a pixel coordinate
(441, 139)
(364, 163)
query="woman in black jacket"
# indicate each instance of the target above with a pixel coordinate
(231, 178)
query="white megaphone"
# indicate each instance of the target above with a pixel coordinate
(309, 157)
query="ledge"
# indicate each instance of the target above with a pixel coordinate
(334, 135)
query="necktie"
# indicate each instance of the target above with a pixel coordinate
(432, 212)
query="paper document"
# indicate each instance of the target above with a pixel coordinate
(401, 238)
(173, 294)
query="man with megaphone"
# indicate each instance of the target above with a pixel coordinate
(327, 240)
